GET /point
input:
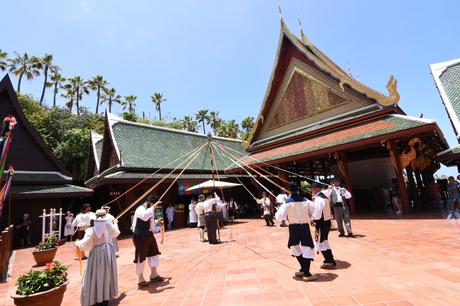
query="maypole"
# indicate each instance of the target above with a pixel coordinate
(5, 140)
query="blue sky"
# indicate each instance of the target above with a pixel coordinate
(219, 54)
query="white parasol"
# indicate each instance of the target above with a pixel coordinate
(213, 184)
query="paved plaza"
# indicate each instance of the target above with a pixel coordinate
(390, 262)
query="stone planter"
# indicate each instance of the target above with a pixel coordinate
(52, 297)
(45, 256)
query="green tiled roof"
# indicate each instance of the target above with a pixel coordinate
(98, 146)
(364, 130)
(142, 146)
(318, 125)
(64, 190)
(134, 175)
(449, 157)
(450, 80)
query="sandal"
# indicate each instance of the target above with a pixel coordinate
(157, 279)
(143, 284)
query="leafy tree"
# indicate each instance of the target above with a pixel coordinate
(158, 99)
(97, 84)
(228, 129)
(22, 65)
(215, 121)
(130, 102)
(56, 80)
(202, 116)
(110, 96)
(46, 64)
(189, 124)
(69, 95)
(3, 60)
(72, 153)
(247, 124)
(80, 87)
(175, 124)
(130, 116)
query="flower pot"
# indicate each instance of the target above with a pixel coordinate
(45, 256)
(52, 297)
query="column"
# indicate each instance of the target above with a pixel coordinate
(391, 146)
(343, 168)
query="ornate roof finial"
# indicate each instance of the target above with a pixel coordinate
(281, 13)
(304, 38)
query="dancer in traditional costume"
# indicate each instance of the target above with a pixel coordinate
(145, 244)
(211, 210)
(322, 218)
(99, 283)
(199, 209)
(193, 217)
(110, 217)
(83, 221)
(266, 205)
(232, 209)
(299, 210)
(68, 228)
(280, 200)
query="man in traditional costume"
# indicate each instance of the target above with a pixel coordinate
(145, 243)
(211, 209)
(266, 205)
(199, 209)
(110, 218)
(100, 282)
(339, 197)
(232, 209)
(280, 200)
(83, 221)
(299, 210)
(322, 218)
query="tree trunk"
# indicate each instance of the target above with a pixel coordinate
(71, 104)
(159, 111)
(44, 86)
(110, 104)
(19, 82)
(78, 101)
(55, 93)
(98, 95)
(204, 129)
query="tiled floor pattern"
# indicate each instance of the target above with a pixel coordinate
(391, 262)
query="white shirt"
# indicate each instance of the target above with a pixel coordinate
(298, 209)
(145, 214)
(93, 237)
(83, 220)
(281, 198)
(208, 203)
(322, 207)
(170, 212)
(265, 203)
(233, 204)
(193, 217)
(341, 192)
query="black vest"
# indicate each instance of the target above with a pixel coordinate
(142, 229)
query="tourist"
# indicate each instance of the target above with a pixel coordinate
(170, 211)
(298, 210)
(100, 281)
(68, 228)
(436, 194)
(144, 241)
(453, 193)
(339, 197)
(396, 197)
(83, 221)
(211, 211)
(455, 212)
(322, 219)
(24, 225)
(232, 209)
(266, 206)
(224, 211)
(110, 218)
(280, 200)
(192, 216)
(199, 209)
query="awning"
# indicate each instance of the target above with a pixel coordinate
(49, 191)
(213, 184)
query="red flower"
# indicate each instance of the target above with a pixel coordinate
(50, 266)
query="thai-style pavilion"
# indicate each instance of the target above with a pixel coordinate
(317, 120)
(40, 181)
(129, 153)
(447, 78)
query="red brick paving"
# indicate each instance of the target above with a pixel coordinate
(392, 262)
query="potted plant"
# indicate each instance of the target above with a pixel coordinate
(46, 250)
(45, 287)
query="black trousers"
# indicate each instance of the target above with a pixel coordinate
(211, 227)
(269, 219)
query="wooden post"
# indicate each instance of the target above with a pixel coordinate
(391, 146)
(412, 187)
(343, 168)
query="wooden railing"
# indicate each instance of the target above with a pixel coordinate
(6, 249)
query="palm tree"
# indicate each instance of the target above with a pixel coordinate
(247, 124)
(189, 124)
(97, 84)
(203, 117)
(232, 129)
(57, 81)
(80, 87)
(45, 63)
(21, 65)
(157, 99)
(130, 102)
(69, 95)
(111, 96)
(215, 121)
(3, 62)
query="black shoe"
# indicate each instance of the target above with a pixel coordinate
(350, 235)
(341, 235)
